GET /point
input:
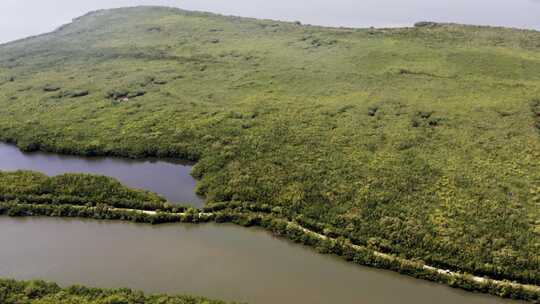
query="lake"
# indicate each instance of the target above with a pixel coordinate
(171, 180)
(218, 261)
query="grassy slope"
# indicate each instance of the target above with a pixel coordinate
(422, 142)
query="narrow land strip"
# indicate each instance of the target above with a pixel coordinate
(291, 230)
(444, 272)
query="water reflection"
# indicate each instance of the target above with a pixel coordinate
(218, 261)
(170, 179)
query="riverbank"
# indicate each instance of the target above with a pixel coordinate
(41, 292)
(416, 142)
(170, 178)
(293, 231)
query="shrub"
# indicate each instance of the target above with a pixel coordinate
(160, 81)
(372, 111)
(426, 24)
(136, 93)
(51, 88)
(117, 94)
(78, 93)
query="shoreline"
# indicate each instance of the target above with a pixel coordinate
(291, 231)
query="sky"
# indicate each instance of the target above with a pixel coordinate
(22, 18)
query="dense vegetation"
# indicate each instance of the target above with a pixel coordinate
(76, 189)
(422, 142)
(252, 215)
(40, 292)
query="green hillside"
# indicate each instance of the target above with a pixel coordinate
(423, 142)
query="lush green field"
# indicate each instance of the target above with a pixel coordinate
(39, 292)
(423, 142)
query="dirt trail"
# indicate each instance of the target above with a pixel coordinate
(385, 256)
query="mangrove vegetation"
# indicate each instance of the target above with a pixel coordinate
(41, 292)
(422, 142)
(248, 215)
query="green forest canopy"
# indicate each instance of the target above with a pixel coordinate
(40, 292)
(423, 142)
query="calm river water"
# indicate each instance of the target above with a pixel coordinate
(218, 261)
(171, 180)
(225, 261)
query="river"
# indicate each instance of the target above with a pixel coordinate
(218, 261)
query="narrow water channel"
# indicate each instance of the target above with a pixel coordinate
(171, 180)
(218, 261)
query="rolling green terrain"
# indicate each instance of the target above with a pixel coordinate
(39, 292)
(421, 142)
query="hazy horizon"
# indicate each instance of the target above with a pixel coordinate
(23, 18)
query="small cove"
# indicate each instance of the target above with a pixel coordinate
(219, 261)
(169, 179)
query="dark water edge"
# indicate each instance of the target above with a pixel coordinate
(218, 261)
(168, 178)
